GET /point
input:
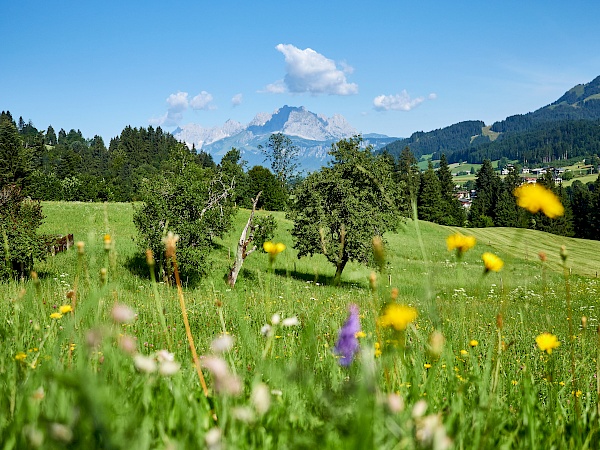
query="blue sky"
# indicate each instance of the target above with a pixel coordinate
(391, 67)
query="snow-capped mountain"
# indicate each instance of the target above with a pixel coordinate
(313, 133)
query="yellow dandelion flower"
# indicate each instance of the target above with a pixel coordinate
(535, 198)
(398, 316)
(56, 315)
(492, 262)
(273, 248)
(21, 356)
(427, 366)
(546, 342)
(377, 349)
(360, 334)
(464, 352)
(64, 309)
(460, 242)
(473, 343)
(562, 383)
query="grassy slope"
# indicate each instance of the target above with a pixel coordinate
(519, 248)
(427, 276)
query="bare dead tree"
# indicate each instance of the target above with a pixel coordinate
(246, 239)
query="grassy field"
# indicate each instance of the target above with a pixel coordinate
(467, 373)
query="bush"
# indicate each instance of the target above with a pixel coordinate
(20, 218)
(194, 204)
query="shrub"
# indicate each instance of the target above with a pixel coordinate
(20, 218)
(195, 204)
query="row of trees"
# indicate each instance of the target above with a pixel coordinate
(70, 167)
(336, 211)
(495, 205)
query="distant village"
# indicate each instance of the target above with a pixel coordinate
(466, 196)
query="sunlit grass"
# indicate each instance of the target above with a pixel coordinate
(467, 374)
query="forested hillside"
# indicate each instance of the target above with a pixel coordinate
(567, 128)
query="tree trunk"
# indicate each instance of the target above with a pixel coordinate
(246, 237)
(338, 271)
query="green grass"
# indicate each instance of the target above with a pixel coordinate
(502, 393)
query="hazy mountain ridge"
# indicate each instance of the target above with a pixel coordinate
(313, 133)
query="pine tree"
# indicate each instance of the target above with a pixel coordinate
(429, 200)
(452, 211)
(487, 187)
(408, 176)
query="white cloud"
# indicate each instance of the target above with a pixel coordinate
(202, 101)
(178, 103)
(432, 96)
(278, 87)
(237, 100)
(310, 72)
(397, 102)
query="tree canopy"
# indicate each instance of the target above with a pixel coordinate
(338, 210)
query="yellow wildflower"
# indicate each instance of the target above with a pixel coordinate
(492, 262)
(360, 334)
(64, 309)
(21, 356)
(514, 382)
(56, 315)
(460, 242)
(273, 248)
(398, 316)
(464, 352)
(427, 366)
(473, 343)
(377, 350)
(535, 198)
(546, 342)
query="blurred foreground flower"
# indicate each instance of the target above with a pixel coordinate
(492, 262)
(398, 316)
(122, 313)
(460, 242)
(273, 248)
(222, 344)
(224, 382)
(535, 198)
(546, 342)
(347, 343)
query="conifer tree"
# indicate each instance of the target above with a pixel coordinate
(408, 176)
(487, 187)
(452, 211)
(429, 200)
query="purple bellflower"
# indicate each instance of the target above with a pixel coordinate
(347, 343)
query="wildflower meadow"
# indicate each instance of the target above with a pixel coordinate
(461, 338)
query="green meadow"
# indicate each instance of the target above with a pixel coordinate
(466, 373)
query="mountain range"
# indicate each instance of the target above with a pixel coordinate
(567, 127)
(312, 133)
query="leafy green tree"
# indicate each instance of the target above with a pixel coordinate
(15, 160)
(232, 169)
(338, 210)
(429, 201)
(283, 155)
(274, 197)
(19, 220)
(193, 202)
